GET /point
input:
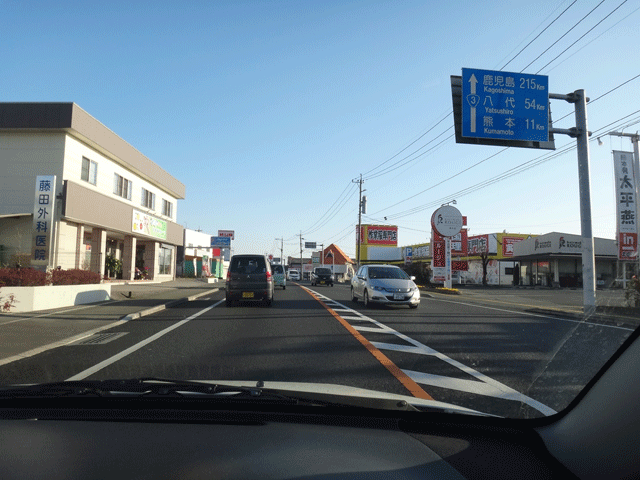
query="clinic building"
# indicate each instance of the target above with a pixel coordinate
(75, 195)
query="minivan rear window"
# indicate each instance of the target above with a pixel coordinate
(277, 269)
(248, 265)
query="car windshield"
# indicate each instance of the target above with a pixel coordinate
(488, 150)
(380, 273)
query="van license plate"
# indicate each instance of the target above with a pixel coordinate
(247, 294)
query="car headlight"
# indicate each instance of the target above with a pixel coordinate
(376, 287)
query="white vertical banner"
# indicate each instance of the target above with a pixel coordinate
(627, 221)
(43, 210)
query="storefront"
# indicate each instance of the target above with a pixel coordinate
(102, 205)
(555, 259)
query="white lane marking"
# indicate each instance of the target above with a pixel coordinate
(403, 348)
(139, 345)
(425, 350)
(374, 329)
(478, 388)
(546, 317)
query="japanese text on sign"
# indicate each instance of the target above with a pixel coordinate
(42, 226)
(625, 206)
(505, 105)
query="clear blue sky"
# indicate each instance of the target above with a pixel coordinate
(266, 110)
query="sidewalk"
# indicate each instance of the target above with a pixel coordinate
(25, 334)
(610, 304)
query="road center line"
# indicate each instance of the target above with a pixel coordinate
(402, 377)
(96, 368)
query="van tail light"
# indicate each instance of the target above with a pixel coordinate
(228, 274)
(269, 277)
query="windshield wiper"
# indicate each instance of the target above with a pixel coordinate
(137, 387)
(154, 387)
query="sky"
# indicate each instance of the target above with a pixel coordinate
(268, 111)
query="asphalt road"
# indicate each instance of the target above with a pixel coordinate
(498, 359)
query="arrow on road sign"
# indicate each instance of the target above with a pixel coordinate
(473, 100)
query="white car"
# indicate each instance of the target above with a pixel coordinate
(386, 284)
(294, 275)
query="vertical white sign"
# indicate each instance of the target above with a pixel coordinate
(627, 223)
(43, 211)
(447, 262)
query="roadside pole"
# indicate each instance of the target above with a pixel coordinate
(581, 133)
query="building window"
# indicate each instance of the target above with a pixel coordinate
(121, 186)
(164, 261)
(89, 171)
(167, 208)
(148, 199)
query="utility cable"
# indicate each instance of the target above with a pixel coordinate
(584, 35)
(537, 36)
(564, 35)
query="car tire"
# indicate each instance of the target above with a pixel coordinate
(413, 306)
(268, 302)
(354, 299)
(284, 287)
(365, 299)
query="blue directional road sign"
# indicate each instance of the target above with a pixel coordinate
(505, 105)
(221, 242)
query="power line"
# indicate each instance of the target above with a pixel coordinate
(504, 175)
(309, 230)
(421, 136)
(564, 35)
(397, 165)
(584, 35)
(594, 39)
(344, 202)
(537, 36)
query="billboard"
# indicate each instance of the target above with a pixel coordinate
(459, 242)
(224, 242)
(148, 225)
(506, 243)
(626, 210)
(478, 244)
(379, 235)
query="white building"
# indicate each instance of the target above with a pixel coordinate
(110, 200)
(197, 259)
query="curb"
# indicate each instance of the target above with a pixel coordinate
(164, 306)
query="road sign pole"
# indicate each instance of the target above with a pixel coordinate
(588, 259)
(447, 262)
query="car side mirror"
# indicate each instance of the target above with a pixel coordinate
(413, 277)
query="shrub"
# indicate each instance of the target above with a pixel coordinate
(23, 277)
(74, 277)
(450, 291)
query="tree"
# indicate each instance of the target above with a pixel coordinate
(484, 259)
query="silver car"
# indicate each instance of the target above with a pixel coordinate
(386, 284)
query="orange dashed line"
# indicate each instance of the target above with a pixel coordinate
(402, 377)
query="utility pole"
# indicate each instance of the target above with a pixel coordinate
(360, 181)
(301, 267)
(581, 133)
(281, 250)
